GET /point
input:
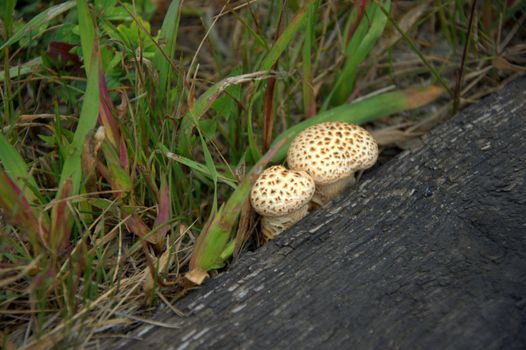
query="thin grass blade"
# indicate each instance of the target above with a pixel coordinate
(205, 102)
(309, 100)
(115, 174)
(419, 53)
(22, 69)
(211, 168)
(168, 36)
(201, 168)
(17, 169)
(87, 121)
(358, 49)
(18, 210)
(61, 220)
(282, 43)
(164, 208)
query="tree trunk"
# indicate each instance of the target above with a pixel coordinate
(427, 252)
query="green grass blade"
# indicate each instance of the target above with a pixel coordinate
(359, 47)
(419, 53)
(9, 8)
(258, 38)
(363, 111)
(18, 210)
(87, 33)
(205, 102)
(271, 58)
(72, 167)
(37, 21)
(284, 39)
(87, 121)
(252, 142)
(9, 108)
(209, 161)
(61, 220)
(309, 103)
(202, 169)
(21, 70)
(17, 169)
(168, 36)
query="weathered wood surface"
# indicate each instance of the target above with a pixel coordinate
(428, 252)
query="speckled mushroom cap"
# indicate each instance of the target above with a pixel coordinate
(279, 191)
(331, 150)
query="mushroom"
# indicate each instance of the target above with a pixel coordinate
(281, 197)
(331, 153)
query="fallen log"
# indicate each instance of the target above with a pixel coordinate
(427, 252)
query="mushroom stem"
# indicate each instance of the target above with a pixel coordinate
(327, 192)
(274, 225)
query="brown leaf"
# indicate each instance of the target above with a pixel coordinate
(245, 219)
(501, 63)
(16, 208)
(61, 220)
(392, 136)
(7, 344)
(163, 264)
(418, 97)
(164, 209)
(405, 23)
(61, 52)
(197, 275)
(137, 226)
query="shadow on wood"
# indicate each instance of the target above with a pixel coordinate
(427, 252)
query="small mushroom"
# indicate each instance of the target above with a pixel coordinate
(281, 197)
(331, 153)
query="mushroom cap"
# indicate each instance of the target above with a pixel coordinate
(279, 191)
(332, 150)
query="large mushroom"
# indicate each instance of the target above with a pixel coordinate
(281, 197)
(331, 153)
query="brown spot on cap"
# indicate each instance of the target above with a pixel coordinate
(342, 148)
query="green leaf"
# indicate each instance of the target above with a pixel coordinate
(136, 35)
(208, 127)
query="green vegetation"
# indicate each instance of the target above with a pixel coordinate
(133, 130)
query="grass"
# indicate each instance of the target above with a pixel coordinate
(131, 134)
